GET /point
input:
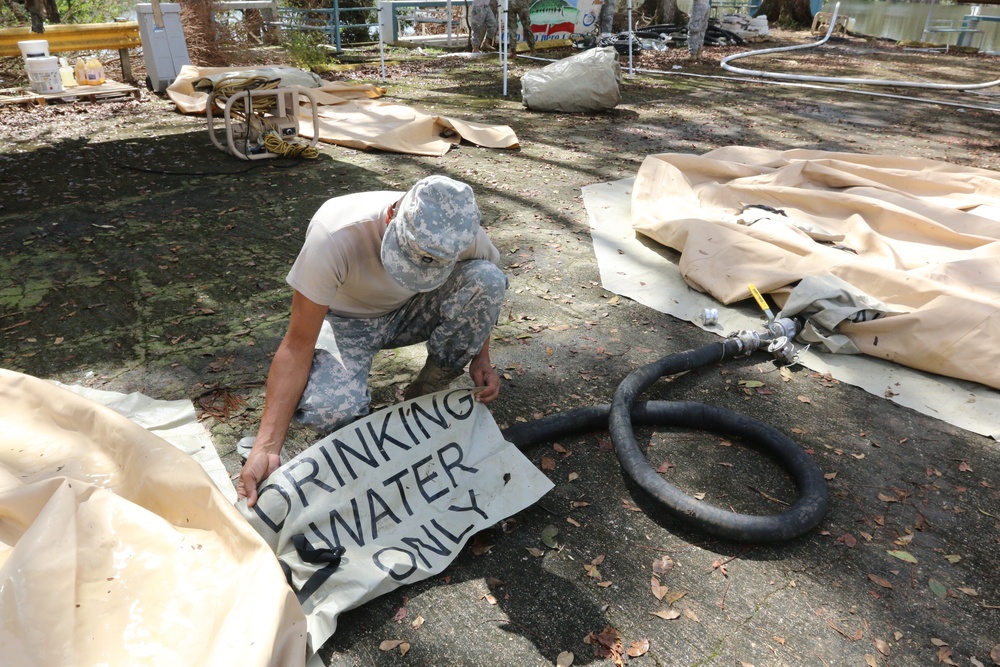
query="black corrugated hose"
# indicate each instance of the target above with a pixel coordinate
(623, 412)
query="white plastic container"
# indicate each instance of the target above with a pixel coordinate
(43, 72)
(66, 73)
(34, 48)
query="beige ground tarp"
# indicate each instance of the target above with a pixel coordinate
(117, 549)
(349, 115)
(921, 236)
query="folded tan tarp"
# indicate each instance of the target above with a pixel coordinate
(921, 236)
(117, 549)
(349, 116)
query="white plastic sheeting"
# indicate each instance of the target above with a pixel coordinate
(586, 82)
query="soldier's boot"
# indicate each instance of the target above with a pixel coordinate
(431, 378)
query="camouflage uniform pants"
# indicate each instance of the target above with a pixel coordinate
(484, 26)
(454, 320)
(697, 25)
(518, 11)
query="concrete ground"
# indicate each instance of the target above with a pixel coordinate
(136, 257)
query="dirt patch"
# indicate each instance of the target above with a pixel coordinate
(137, 253)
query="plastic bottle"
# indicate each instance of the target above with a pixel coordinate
(94, 71)
(80, 72)
(66, 73)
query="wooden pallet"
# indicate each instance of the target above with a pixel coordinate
(106, 91)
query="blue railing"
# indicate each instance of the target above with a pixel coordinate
(327, 20)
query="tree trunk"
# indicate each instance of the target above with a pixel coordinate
(667, 12)
(787, 13)
(661, 11)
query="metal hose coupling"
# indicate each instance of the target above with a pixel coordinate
(776, 334)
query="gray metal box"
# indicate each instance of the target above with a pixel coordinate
(164, 49)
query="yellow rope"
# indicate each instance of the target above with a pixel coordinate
(275, 144)
(229, 86)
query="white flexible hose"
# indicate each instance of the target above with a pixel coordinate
(724, 63)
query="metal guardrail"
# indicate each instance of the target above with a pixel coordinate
(63, 37)
(74, 37)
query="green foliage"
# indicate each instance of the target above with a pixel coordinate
(303, 47)
(72, 11)
(95, 11)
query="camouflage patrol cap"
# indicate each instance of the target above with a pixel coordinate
(435, 221)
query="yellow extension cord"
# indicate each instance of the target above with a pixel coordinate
(275, 144)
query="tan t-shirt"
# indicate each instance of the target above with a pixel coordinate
(340, 264)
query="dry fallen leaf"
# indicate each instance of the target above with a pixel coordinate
(389, 644)
(638, 648)
(849, 540)
(417, 622)
(995, 654)
(658, 590)
(944, 655)
(691, 615)
(565, 659)
(871, 660)
(662, 565)
(666, 614)
(400, 614)
(674, 596)
(882, 646)
(938, 642)
(404, 648)
(489, 598)
(881, 581)
(904, 556)
(607, 644)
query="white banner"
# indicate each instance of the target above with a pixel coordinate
(401, 491)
